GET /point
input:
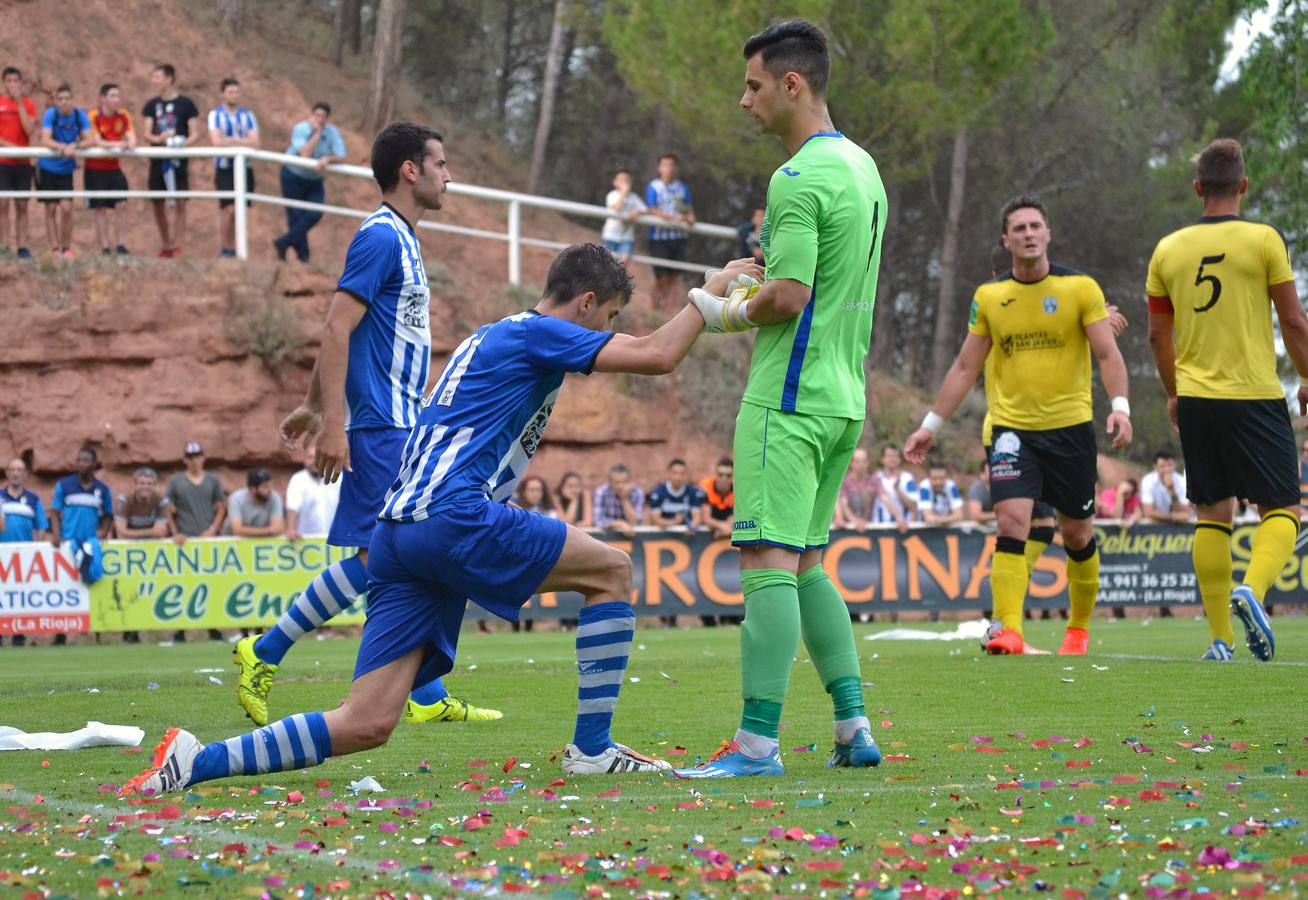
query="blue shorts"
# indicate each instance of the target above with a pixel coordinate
(375, 455)
(421, 575)
(619, 248)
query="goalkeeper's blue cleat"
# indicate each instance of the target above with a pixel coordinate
(1257, 629)
(731, 762)
(860, 752)
(1219, 651)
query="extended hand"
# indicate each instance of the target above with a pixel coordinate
(1117, 321)
(332, 456)
(919, 442)
(1119, 426)
(1303, 400)
(299, 428)
(730, 313)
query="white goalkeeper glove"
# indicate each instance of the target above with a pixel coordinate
(729, 313)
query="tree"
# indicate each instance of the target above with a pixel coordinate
(387, 45)
(231, 16)
(553, 64)
(347, 30)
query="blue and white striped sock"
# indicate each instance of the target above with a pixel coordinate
(332, 591)
(292, 743)
(604, 633)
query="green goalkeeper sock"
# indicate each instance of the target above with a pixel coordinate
(829, 637)
(769, 638)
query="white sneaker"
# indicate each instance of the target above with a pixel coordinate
(171, 768)
(614, 760)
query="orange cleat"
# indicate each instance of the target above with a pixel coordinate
(1006, 642)
(1075, 643)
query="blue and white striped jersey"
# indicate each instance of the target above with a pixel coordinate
(232, 124)
(485, 418)
(390, 349)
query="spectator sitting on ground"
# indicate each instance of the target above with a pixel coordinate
(317, 139)
(310, 503)
(170, 119)
(111, 129)
(144, 512)
(1162, 491)
(675, 502)
(749, 237)
(231, 125)
(939, 501)
(64, 128)
(533, 495)
(896, 501)
(18, 126)
(1121, 502)
(980, 506)
(572, 501)
(619, 231)
(619, 504)
(717, 511)
(256, 509)
(858, 494)
(668, 198)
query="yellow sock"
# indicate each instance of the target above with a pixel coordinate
(1037, 543)
(1212, 568)
(1273, 544)
(1008, 578)
(1082, 584)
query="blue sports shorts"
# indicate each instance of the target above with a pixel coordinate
(375, 455)
(421, 575)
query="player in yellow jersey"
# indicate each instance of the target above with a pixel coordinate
(1044, 518)
(1039, 325)
(1212, 286)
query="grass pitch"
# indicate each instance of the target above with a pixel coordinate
(1137, 770)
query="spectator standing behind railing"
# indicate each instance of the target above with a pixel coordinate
(675, 502)
(619, 504)
(18, 126)
(256, 510)
(170, 119)
(980, 505)
(196, 507)
(64, 129)
(231, 125)
(717, 513)
(534, 496)
(573, 501)
(82, 514)
(142, 513)
(749, 237)
(939, 502)
(858, 494)
(668, 197)
(1121, 502)
(896, 500)
(619, 231)
(317, 139)
(22, 515)
(111, 129)
(1162, 491)
(310, 502)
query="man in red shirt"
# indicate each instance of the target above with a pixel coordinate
(111, 127)
(17, 126)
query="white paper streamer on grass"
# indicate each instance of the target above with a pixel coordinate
(95, 734)
(966, 631)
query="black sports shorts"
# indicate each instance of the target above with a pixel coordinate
(1058, 467)
(1238, 448)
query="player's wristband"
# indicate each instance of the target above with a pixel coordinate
(1303, 381)
(1122, 405)
(932, 422)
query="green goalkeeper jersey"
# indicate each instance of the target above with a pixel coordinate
(823, 226)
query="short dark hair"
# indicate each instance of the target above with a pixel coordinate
(227, 82)
(726, 461)
(676, 461)
(11, 70)
(64, 88)
(1001, 259)
(1163, 453)
(169, 72)
(795, 45)
(323, 105)
(91, 450)
(257, 477)
(618, 172)
(107, 87)
(1219, 168)
(1024, 201)
(587, 267)
(398, 143)
(619, 469)
(672, 156)
(885, 447)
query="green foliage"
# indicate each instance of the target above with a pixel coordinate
(264, 326)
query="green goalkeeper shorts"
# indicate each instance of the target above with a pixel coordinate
(789, 468)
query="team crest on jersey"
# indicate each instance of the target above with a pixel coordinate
(1050, 305)
(535, 430)
(414, 306)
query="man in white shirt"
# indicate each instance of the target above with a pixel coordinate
(939, 502)
(898, 497)
(1162, 491)
(310, 504)
(619, 232)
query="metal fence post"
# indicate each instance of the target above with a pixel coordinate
(238, 187)
(515, 243)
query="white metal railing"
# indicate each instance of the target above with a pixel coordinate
(241, 193)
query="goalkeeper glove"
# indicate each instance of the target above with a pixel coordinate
(729, 313)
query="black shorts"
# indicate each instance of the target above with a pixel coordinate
(180, 180)
(1058, 466)
(104, 180)
(225, 180)
(16, 178)
(52, 181)
(1238, 448)
(1041, 510)
(674, 249)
